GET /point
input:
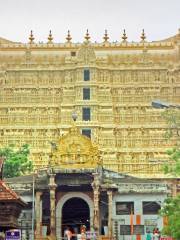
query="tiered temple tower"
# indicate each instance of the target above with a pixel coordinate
(109, 85)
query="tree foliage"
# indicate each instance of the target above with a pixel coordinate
(171, 209)
(171, 206)
(172, 117)
(16, 162)
(174, 168)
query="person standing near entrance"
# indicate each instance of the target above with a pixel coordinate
(83, 232)
(68, 233)
(148, 236)
(156, 234)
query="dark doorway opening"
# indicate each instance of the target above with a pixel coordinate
(75, 213)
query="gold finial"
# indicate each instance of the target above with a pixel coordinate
(143, 36)
(50, 37)
(106, 38)
(124, 37)
(87, 37)
(68, 38)
(31, 37)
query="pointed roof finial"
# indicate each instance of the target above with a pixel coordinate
(106, 38)
(87, 37)
(68, 38)
(50, 37)
(31, 37)
(124, 37)
(143, 36)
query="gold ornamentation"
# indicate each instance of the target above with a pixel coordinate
(50, 37)
(143, 36)
(124, 37)
(86, 54)
(87, 36)
(75, 151)
(106, 38)
(31, 37)
(40, 88)
(68, 38)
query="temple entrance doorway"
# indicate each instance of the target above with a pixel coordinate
(74, 200)
(75, 213)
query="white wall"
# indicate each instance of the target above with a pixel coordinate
(137, 199)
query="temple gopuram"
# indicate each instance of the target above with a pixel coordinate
(110, 85)
(103, 171)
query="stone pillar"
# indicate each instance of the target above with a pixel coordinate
(38, 213)
(110, 195)
(95, 186)
(52, 188)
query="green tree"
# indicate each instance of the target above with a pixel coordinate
(174, 168)
(171, 206)
(16, 162)
(171, 209)
(172, 117)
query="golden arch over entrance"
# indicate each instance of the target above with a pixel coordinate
(61, 203)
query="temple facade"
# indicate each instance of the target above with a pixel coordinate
(110, 86)
(101, 171)
(75, 191)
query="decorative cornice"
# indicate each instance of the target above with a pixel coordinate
(171, 41)
(96, 46)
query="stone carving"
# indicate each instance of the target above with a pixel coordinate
(75, 151)
(37, 80)
(142, 187)
(86, 53)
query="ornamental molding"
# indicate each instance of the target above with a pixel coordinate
(142, 188)
(86, 54)
(75, 150)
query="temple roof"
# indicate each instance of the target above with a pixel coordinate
(4, 41)
(7, 194)
(170, 39)
(120, 182)
(121, 43)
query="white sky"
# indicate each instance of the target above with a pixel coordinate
(159, 18)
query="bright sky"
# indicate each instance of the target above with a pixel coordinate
(159, 18)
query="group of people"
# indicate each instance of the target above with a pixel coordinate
(79, 233)
(69, 234)
(153, 236)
